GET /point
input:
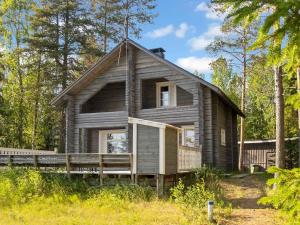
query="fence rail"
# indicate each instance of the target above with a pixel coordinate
(189, 158)
(74, 162)
(14, 151)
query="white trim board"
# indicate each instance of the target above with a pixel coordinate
(150, 123)
(162, 151)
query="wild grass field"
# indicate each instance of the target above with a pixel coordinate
(29, 197)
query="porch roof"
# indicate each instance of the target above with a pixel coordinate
(151, 123)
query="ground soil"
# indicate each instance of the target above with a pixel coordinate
(243, 193)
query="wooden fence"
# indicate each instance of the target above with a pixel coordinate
(262, 153)
(189, 158)
(74, 162)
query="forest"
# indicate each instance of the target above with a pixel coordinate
(45, 45)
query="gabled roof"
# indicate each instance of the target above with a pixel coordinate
(106, 60)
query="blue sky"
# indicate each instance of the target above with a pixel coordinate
(183, 28)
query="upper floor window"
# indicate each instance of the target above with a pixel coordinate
(165, 94)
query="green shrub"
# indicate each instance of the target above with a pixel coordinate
(19, 186)
(195, 195)
(204, 186)
(286, 195)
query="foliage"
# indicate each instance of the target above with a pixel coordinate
(225, 78)
(23, 185)
(275, 18)
(205, 187)
(45, 45)
(286, 194)
(29, 197)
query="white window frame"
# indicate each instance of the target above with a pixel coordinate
(172, 94)
(103, 139)
(223, 136)
(187, 127)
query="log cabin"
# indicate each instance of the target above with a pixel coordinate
(135, 101)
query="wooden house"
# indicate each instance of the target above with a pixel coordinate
(135, 101)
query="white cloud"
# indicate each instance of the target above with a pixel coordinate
(161, 32)
(202, 41)
(181, 31)
(209, 12)
(192, 63)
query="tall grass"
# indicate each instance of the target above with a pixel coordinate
(30, 197)
(19, 186)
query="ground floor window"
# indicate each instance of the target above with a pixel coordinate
(113, 141)
(187, 136)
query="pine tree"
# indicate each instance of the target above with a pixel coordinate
(62, 30)
(280, 24)
(234, 44)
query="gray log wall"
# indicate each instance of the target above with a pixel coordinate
(196, 104)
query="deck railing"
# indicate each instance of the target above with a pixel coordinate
(104, 163)
(14, 151)
(189, 158)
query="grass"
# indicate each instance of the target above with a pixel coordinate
(27, 197)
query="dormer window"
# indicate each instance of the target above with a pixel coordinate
(165, 94)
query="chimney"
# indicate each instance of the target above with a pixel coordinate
(158, 51)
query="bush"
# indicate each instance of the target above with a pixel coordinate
(205, 186)
(19, 185)
(286, 195)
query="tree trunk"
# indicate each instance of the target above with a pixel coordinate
(36, 105)
(21, 115)
(280, 150)
(65, 75)
(242, 130)
(105, 28)
(298, 90)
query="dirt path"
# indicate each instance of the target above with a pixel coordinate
(243, 193)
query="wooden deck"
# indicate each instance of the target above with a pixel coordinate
(189, 159)
(80, 163)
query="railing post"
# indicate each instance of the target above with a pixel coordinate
(68, 166)
(131, 168)
(101, 169)
(35, 161)
(10, 160)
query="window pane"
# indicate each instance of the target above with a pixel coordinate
(116, 147)
(116, 142)
(189, 137)
(116, 136)
(164, 96)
